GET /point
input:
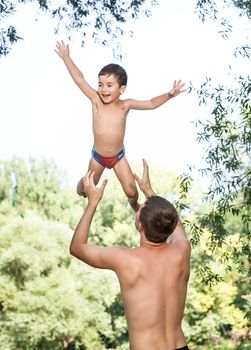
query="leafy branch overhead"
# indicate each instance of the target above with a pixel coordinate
(100, 21)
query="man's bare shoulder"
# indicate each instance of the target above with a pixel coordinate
(122, 255)
(179, 241)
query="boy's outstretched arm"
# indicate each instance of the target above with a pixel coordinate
(63, 52)
(157, 101)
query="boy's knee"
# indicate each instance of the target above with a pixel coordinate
(132, 194)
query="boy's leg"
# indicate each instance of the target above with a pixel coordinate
(124, 173)
(93, 166)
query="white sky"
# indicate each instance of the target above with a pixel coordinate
(43, 114)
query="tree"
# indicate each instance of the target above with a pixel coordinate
(49, 300)
(216, 312)
(224, 128)
(37, 185)
(99, 21)
(227, 133)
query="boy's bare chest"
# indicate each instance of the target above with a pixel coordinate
(110, 115)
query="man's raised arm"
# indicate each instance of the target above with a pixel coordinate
(145, 183)
(179, 233)
(80, 237)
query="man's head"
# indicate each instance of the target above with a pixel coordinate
(158, 218)
(117, 71)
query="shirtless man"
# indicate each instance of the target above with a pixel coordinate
(109, 114)
(153, 277)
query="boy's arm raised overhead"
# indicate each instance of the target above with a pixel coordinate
(157, 101)
(63, 52)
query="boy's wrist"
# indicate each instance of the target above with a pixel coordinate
(66, 58)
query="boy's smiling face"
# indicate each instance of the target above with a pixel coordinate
(109, 89)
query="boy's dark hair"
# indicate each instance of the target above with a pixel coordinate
(117, 70)
(159, 218)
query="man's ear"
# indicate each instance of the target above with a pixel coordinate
(140, 227)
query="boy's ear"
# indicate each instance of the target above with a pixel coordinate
(122, 89)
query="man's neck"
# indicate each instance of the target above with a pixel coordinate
(151, 244)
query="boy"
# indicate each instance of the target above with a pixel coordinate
(109, 114)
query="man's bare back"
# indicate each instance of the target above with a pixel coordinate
(153, 287)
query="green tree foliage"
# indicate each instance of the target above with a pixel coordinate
(226, 132)
(228, 154)
(225, 226)
(45, 299)
(101, 21)
(37, 186)
(211, 8)
(216, 11)
(216, 312)
(48, 300)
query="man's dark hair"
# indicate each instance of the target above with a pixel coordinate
(117, 70)
(159, 218)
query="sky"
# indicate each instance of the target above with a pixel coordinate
(44, 114)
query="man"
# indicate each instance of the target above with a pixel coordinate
(154, 276)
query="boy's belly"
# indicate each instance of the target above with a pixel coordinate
(108, 143)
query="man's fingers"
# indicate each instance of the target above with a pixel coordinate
(136, 178)
(104, 183)
(145, 163)
(146, 169)
(91, 176)
(87, 178)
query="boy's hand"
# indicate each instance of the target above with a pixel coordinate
(93, 193)
(177, 88)
(144, 183)
(62, 49)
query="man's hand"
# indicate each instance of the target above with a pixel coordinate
(144, 183)
(93, 193)
(177, 88)
(62, 49)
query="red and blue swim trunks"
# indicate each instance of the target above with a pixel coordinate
(108, 162)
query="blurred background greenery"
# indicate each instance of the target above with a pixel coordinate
(49, 300)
